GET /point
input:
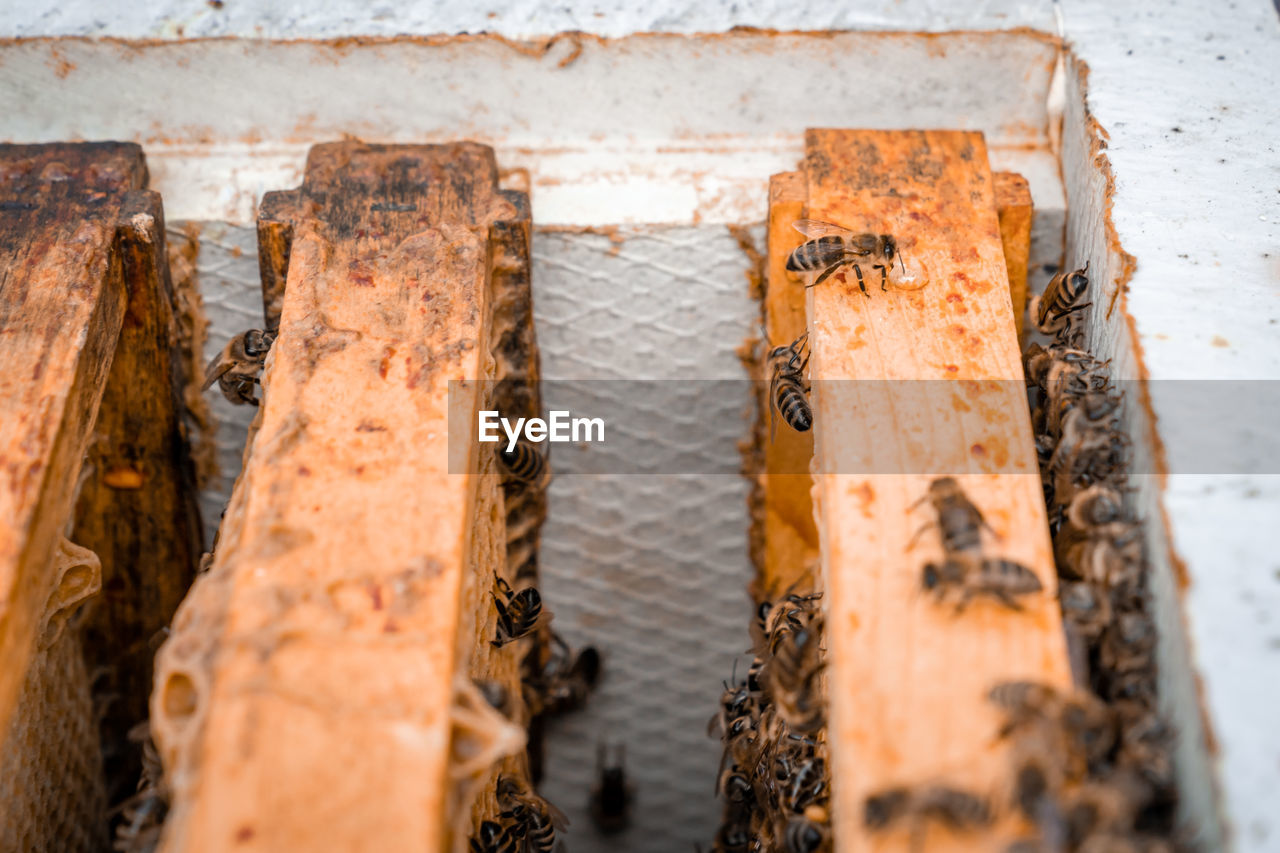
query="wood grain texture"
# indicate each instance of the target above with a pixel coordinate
(909, 386)
(303, 700)
(1013, 206)
(137, 508)
(62, 303)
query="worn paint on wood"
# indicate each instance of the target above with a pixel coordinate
(303, 699)
(908, 677)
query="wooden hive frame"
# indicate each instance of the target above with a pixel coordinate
(908, 386)
(309, 694)
(94, 449)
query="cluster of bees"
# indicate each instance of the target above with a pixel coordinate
(1099, 550)
(773, 772)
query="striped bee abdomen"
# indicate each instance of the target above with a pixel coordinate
(816, 254)
(523, 463)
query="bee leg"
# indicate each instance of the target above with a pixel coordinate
(919, 533)
(1008, 600)
(828, 272)
(862, 285)
(884, 276)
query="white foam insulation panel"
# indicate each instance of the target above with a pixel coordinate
(656, 118)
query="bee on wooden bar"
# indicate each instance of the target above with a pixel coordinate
(957, 810)
(536, 820)
(612, 796)
(1001, 579)
(1061, 298)
(959, 520)
(831, 247)
(237, 367)
(523, 463)
(518, 612)
(787, 388)
(1084, 722)
(793, 678)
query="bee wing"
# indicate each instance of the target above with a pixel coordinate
(813, 229)
(558, 818)
(215, 369)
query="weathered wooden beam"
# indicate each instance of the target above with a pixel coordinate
(61, 308)
(64, 292)
(137, 507)
(910, 386)
(305, 698)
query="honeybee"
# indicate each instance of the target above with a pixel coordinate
(612, 795)
(735, 785)
(237, 367)
(143, 814)
(998, 578)
(803, 835)
(1098, 504)
(1106, 554)
(787, 387)
(523, 463)
(1128, 643)
(793, 678)
(830, 247)
(789, 615)
(493, 837)
(566, 681)
(536, 820)
(1085, 724)
(518, 612)
(959, 520)
(1053, 309)
(955, 809)
(1084, 608)
(808, 785)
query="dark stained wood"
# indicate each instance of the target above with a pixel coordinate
(275, 236)
(137, 509)
(62, 303)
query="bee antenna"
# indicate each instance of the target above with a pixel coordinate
(901, 264)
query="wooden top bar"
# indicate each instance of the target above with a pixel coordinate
(908, 676)
(303, 700)
(62, 301)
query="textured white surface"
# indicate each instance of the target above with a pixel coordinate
(644, 129)
(173, 19)
(1188, 98)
